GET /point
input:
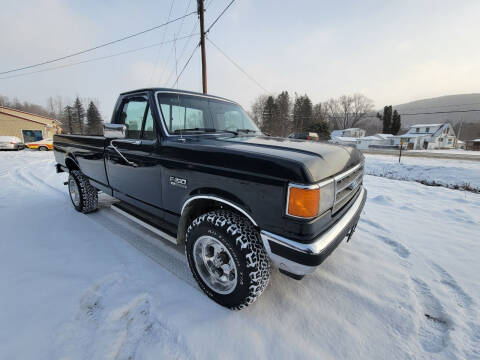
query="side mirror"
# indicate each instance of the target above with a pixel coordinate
(115, 131)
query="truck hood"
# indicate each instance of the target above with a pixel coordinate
(319, 160)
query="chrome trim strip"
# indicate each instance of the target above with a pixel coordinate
(145, 225)
(236, 207)
(325, 239)
(348, 172)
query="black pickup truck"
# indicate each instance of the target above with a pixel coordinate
(195, 169)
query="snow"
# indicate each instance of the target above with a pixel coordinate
(447, 172)
(447, 151)
(97, 286)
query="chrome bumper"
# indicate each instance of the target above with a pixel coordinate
(301, 259)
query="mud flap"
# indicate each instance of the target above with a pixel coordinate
(350, 233)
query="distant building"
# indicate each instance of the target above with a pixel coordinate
(343, 140)
(472, 145)
(428, 137)
(26, 126)
(377, 141)
(460, 145)
(351, 132)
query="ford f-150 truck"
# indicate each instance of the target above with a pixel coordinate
(195, 169)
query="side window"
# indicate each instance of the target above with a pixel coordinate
(132, 115)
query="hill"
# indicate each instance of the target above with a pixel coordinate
(441, 104)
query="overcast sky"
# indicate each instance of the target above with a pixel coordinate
(390, 51)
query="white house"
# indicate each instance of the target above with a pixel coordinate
(344, 140)
(350, 132)
(428, 136)
(379, 141)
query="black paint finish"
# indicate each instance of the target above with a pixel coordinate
(251, 171)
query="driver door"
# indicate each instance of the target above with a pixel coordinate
(132, 173)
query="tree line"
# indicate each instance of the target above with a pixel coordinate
(77, 120)
(282, 115)
(73, 116)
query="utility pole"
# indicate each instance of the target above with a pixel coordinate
(201, 12)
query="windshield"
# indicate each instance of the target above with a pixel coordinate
(187, 113)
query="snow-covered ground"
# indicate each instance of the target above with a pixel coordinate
(447, 172)
(447, 151)
(96, 286)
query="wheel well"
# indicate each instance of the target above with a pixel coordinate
(197, 207)
(71, 165)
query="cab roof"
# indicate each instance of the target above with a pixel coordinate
(178, 91)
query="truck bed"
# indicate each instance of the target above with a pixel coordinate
(88, 153)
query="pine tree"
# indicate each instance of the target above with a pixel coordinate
(386, 119)
(396, 123)
(269, 116)
(68, 118)
(94, 120)
(78, 116)
(284, 108)
(302, 114)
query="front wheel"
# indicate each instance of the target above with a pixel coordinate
(42, 148)
(227, 258)
(83, 195)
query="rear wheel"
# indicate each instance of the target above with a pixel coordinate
(83, 195)
(43, 148)
(227, 258)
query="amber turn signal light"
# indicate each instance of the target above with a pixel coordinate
(303, 202)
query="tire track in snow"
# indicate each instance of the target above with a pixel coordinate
(112, 323)
(466, 304)
(435, 326)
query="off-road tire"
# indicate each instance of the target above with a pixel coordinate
(88, 194)
(243, 241)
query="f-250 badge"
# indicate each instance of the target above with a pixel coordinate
(176, 181)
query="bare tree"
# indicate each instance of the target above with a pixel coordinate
(257, 109)
(348, 110)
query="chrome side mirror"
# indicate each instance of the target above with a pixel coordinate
(115, 131)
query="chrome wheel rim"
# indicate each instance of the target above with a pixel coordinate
(74, 192)
(215, 265)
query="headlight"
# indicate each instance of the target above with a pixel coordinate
(310, 201)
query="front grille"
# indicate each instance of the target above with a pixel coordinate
(347, 185)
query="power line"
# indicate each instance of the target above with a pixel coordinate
(163, 39)
(238, 66)
(180, 57)
(95, 59)
(219, 16)
(186, 64)
(442, 112)
(98, 46)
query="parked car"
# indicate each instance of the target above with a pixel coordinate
(304, 136)
(42, 145)
(196, 170)
(11, 143)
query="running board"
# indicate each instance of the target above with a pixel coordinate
(144, 224)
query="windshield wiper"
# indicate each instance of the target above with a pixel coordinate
(178, 131)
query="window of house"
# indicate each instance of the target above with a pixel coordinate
(440, 139)
(427, 130)
(417, 130)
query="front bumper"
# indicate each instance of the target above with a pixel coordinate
(300, 259)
